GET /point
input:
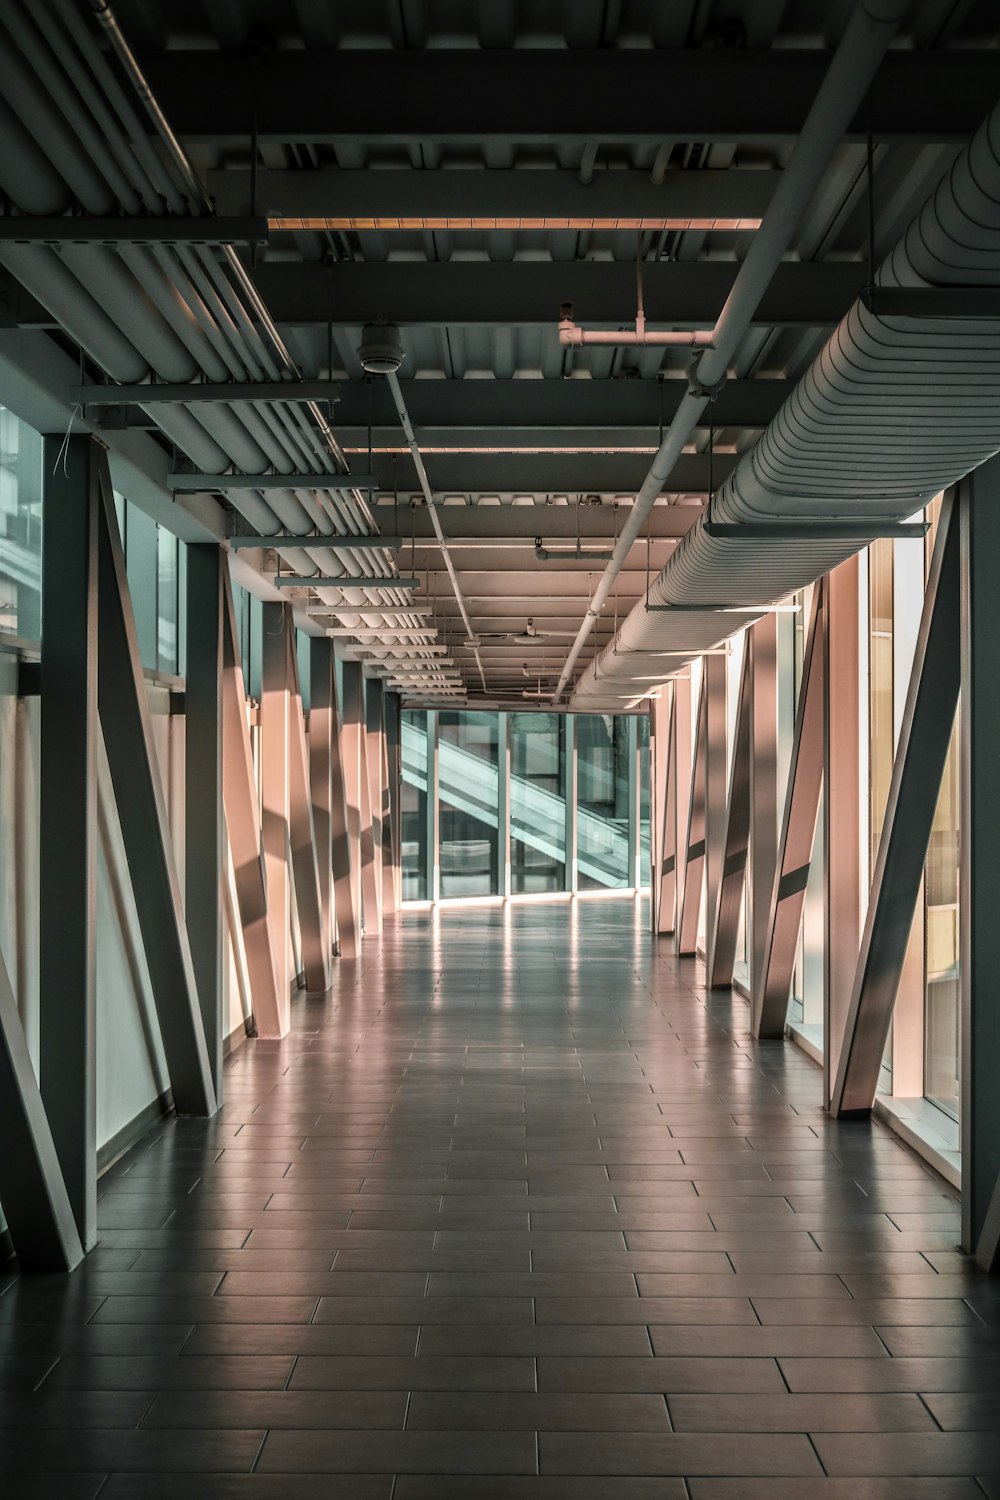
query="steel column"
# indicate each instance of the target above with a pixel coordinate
(239, 790)
(503, 804)
(632, 740)
(68, 826)
(715, 673)
(314, 930)
(142, 812)
(798, 830)
(924, 736)
(371, 882)
(373, 764)
(204, 833)
(322, 728)
(841, 813)
(433, 805)
(32, 1188)
(393, 750)
(350, 744)
(690, 885)
(274, 714)
(681, 772)
(571, 875)
(979, 944)
(665, 814)
(346, 908)
(763, 640)
(725, 920)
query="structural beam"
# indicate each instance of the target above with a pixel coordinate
(518, 293)
(713, 94)
(36, 1204)
(243, 822)
(763, 641)
(198, 393)
(275, 708)
(68, 812)
(317, 947)
(131, 229)
(798, 830)
(559, 413)
(724, 920)
(566, 473)
(841, 812)
(204, 817)
(924, 736)
(979, 942)
(231, 484)
(352, 744)
(527, 523)
(395, 196)
(142, 813)
(313, 543)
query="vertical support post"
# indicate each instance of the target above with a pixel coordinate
(346, 909)
(316, 950)
(371, 885)
(724, 921)
(503, 804)
(204, 848)
(274, 711)
(572, 875)
(390, 897)
(665, 872)
(632, 756)
(979, 947)
(350, 744)
(68, 828)
(798, 830)
(763, 643)
(841, 813)
(433, 804)
(393, 749)
(659, 732)
(715, 671)
(689, 892)
(373, 765)
(924, 737)
(322, 727)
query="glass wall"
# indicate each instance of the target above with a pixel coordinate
(155, 563)
(468, 771)
(20, 528)
(603, 783)
(537, 802)
(502, 781)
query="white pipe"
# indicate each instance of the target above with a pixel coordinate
(862, 46)
(425, 485)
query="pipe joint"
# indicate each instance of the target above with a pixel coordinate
(703, 390)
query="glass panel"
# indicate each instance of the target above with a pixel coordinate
(413, 805)
(537, 802)
(167, 602)
(20, 527)
(602, 801)
(880, 689)
(643, 872)
(468, 779)
(941, 934)
(142, 569)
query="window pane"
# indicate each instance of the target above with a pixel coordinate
(468, 777)
(602, 800)
(413, 805)
(20, 527)
(644, 771)
(142, 568)
(537, 802)
(941, 889)
(880, 690)
(167, 601)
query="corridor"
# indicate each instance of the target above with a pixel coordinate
(522, 1211)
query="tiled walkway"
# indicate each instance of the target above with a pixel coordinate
(520, 1213)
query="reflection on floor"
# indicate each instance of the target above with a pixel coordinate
(521, 1211)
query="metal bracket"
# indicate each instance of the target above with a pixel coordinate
(696, 386)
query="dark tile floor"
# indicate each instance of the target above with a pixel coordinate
(521, 1212)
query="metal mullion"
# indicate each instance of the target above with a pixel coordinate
(689, 894)
(571, 876)
(632, 739)
(350, 745)
(723, 921)
(322, 728)
(665, 869)
(316, 949)
(68, 819)
(503, 803)
(841, 812)
(433, 806)
(762, 643)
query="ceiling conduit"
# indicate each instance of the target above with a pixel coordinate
(891, 412)
(869, 30)
(168, 312)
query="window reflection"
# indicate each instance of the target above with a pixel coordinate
(20, 528)
(537, 802)
(468, 771)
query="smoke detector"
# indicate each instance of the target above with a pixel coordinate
(380, 350)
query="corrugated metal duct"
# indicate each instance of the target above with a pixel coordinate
(892, 411)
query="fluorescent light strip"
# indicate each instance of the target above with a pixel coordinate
(286, 224)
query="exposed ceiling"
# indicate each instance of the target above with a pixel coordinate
(462, 168)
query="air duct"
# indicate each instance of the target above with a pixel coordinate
(892, 411)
